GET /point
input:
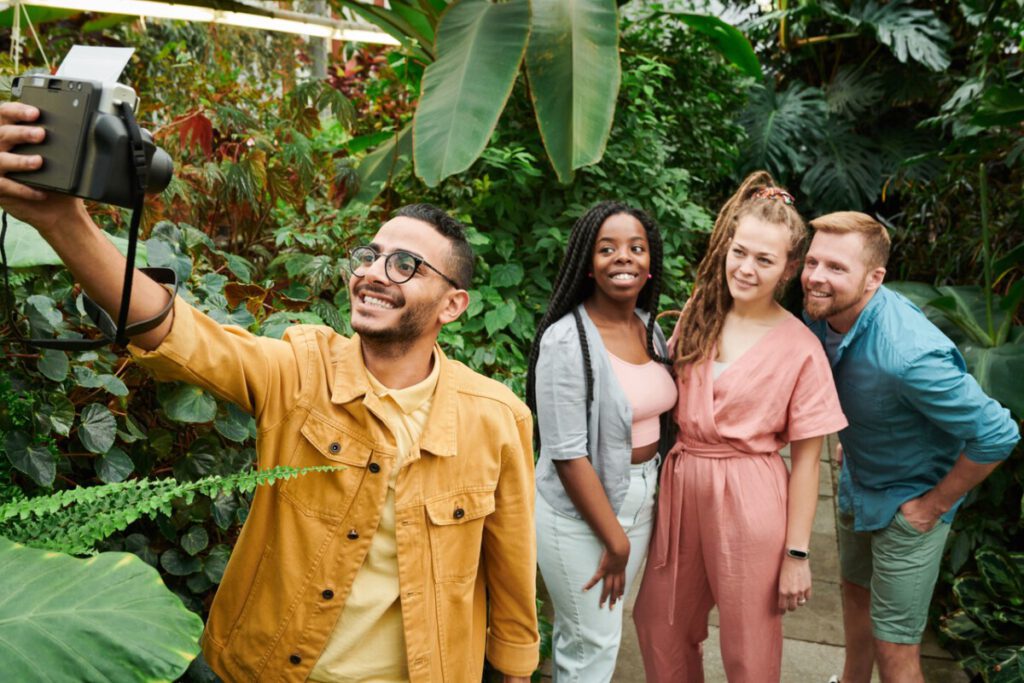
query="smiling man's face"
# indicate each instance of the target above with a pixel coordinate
(387, 313)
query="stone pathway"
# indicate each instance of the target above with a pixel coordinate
(813, 648)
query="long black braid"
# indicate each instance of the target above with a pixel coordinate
(572, 286)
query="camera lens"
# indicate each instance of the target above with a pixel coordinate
(161, 168)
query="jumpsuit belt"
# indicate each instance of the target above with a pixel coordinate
(667, 527)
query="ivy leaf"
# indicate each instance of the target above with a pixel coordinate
(62, 414)
(195, 465)
(780, 125)
(847, 174)
(187, 403)
(53, 365)
(909, 32)
(499, 318)
(97, 429)
(33, 459)
(239, 267)
(163, 254)
(506, 275)
(234, 425)
(114, 466)
(132, 431)
(216, 562)
(223, 510)
(194, 540)
(179, 564)
(42, 314)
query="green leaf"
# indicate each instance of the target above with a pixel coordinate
(779, 127)
(97, 429)
(114, 466)
(479, 47)
(177, 564)
(194, 540)
(53, 365)
(910, 32)
(998, 371)
(854, 90)
(33, 459)
(573, 65)
(377, 169)
(1000, 106)
(105, 618)
(62, 413)
(42, 313)
(26, 248)
(163, 254)
(216, 562)
(506, 275)
(188, 403)
(500, 317)
(239, 267)
(847, 173)
(726, 38)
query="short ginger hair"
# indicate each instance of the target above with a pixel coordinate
(876, 238)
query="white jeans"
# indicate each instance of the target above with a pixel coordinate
(585, 642)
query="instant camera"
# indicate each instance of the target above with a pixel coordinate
(89, 150)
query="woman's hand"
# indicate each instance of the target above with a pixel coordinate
(612, 569)
(794, 583)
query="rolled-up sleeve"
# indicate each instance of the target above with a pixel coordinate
(938, 385)
(561, 392)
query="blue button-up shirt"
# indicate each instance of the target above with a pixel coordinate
(912, 407)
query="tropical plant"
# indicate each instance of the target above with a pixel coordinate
(473, 50)
(105, 619)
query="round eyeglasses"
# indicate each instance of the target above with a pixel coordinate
(399, 266)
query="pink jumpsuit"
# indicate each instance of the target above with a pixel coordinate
(721, 524)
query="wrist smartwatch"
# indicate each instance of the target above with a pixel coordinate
(798, 554)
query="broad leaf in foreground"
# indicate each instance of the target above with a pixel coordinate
(480, 45)
(104, 619)
(573, 65)
(910, 32)
(780, 124)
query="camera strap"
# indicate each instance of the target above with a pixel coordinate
(119, 332)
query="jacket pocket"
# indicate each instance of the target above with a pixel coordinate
(456, 524)
(326, 495)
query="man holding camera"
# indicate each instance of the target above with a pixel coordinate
(417, 556)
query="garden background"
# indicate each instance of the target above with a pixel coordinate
(910, 111)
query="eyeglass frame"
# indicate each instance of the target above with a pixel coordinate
(418, 260)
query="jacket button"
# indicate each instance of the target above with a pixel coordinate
(374, 467)
(459, 513)
(328, 594)
(352, 534)
(335, 447)
(295, 659)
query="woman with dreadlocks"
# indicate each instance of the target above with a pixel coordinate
(733, 526)
(599, 383)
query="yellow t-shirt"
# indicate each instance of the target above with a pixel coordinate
(368, 642)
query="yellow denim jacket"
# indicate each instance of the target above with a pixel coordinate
(463, 507)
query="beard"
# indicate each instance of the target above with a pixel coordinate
(395, 339)
(822, 310)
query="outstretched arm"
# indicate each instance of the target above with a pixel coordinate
(64, 223)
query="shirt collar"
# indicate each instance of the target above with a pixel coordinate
(351, 382)
(410, 398)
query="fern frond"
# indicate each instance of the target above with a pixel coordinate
(75, 520)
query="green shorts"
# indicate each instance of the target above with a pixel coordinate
(899, 565)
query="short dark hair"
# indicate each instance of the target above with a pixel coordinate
(462, 261)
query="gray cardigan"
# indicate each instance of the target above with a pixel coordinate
(561, 392)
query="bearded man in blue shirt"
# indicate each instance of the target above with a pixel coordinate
(921, 434)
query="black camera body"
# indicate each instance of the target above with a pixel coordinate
(87, 151)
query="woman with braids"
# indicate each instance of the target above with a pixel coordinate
(733, 526)
(600, 385)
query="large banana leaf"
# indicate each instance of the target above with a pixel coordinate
(480, 45)
(573, 65)
(105, 619)
(378, 168)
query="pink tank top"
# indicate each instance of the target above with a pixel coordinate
(650, 390)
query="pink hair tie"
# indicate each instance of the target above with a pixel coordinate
(774, 193)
